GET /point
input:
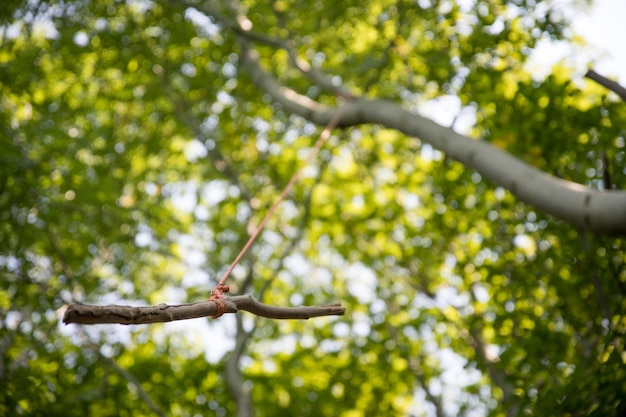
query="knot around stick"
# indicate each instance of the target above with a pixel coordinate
(217, 296)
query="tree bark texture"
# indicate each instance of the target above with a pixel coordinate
(163, 313)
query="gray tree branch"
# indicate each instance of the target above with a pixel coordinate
(602, 212)
(89, 314)
(605, 82)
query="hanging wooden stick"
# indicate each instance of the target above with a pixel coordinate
(163, 313)
(218, 304)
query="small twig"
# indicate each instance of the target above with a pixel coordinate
(123, 372)
(605, 82)
(163, 313)
(319, 77)
(132, 380)
(221, 163)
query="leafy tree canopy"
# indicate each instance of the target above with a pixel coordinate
(141, 141)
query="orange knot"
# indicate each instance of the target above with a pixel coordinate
(217, 296)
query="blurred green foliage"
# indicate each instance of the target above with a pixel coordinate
(135, 155)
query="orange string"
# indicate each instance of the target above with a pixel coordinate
(217, 294)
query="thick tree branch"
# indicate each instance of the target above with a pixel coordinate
(605, 82)
(163, 313)
(238, 389)
(587, 209)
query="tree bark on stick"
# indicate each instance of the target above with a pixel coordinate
(89, 314)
